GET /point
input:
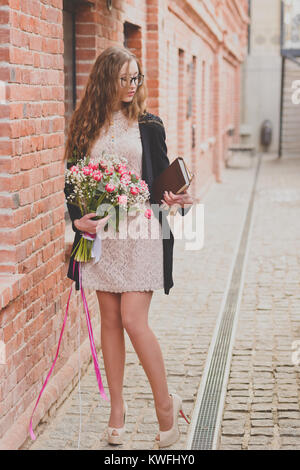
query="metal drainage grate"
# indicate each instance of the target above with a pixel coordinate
(204, 431)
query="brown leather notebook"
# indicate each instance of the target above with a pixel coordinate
(176, 178)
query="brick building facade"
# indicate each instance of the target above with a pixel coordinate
(191, 53)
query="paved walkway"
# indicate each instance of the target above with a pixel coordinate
(262, 402)
(262, 409)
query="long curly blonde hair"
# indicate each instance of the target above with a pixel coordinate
(100, 96)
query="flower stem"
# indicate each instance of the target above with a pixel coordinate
(101, 199)
(75, 248)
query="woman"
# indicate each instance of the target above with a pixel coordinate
(112, 116)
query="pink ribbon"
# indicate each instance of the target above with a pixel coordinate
(92, 342)
(93, 350)
(89, 236)
(96, 247)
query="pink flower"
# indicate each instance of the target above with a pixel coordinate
(109, 171)
(97, 175)
(103, 164)
(143, 184)
(74, 169)
(125, 179)
(93, 166)
(110, 187)
(86, 170)
(122, 169)
(148, 213)
(122, 199)
(134, 190)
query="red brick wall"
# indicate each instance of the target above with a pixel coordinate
(33, 251)
(32, 210)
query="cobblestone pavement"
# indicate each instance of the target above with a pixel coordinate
(262, 408)
(262, 402)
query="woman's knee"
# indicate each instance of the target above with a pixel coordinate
(110, 309)
(134, 313)
(133, 325)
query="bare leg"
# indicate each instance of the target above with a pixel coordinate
(113, 350)
(134, 312)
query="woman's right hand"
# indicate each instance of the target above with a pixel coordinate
(85, 224)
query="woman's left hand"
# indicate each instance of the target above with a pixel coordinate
(182, 198)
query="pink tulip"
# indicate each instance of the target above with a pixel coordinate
(125, 179)
(134, 190)
(93, 166)
(97, 176)
(74, 169)
(86, 170)
(122, 169)
(110, 188)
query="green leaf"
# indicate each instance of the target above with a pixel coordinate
(115, 180)
(101, 186)
(134, 179)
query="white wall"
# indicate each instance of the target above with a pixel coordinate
(262, 71)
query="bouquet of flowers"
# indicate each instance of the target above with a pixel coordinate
(104, 187)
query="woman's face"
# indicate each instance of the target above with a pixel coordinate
(127, 88)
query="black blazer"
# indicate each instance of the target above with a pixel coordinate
(154, 161)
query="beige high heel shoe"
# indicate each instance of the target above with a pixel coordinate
(167, 438)
(117, 439)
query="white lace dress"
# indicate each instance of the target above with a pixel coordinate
(133, 263)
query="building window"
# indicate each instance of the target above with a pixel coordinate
(203, 102)
(69, 60)
(70, 10)
(133, 38)
(190, 71)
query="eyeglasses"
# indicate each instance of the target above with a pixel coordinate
(138, 80)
